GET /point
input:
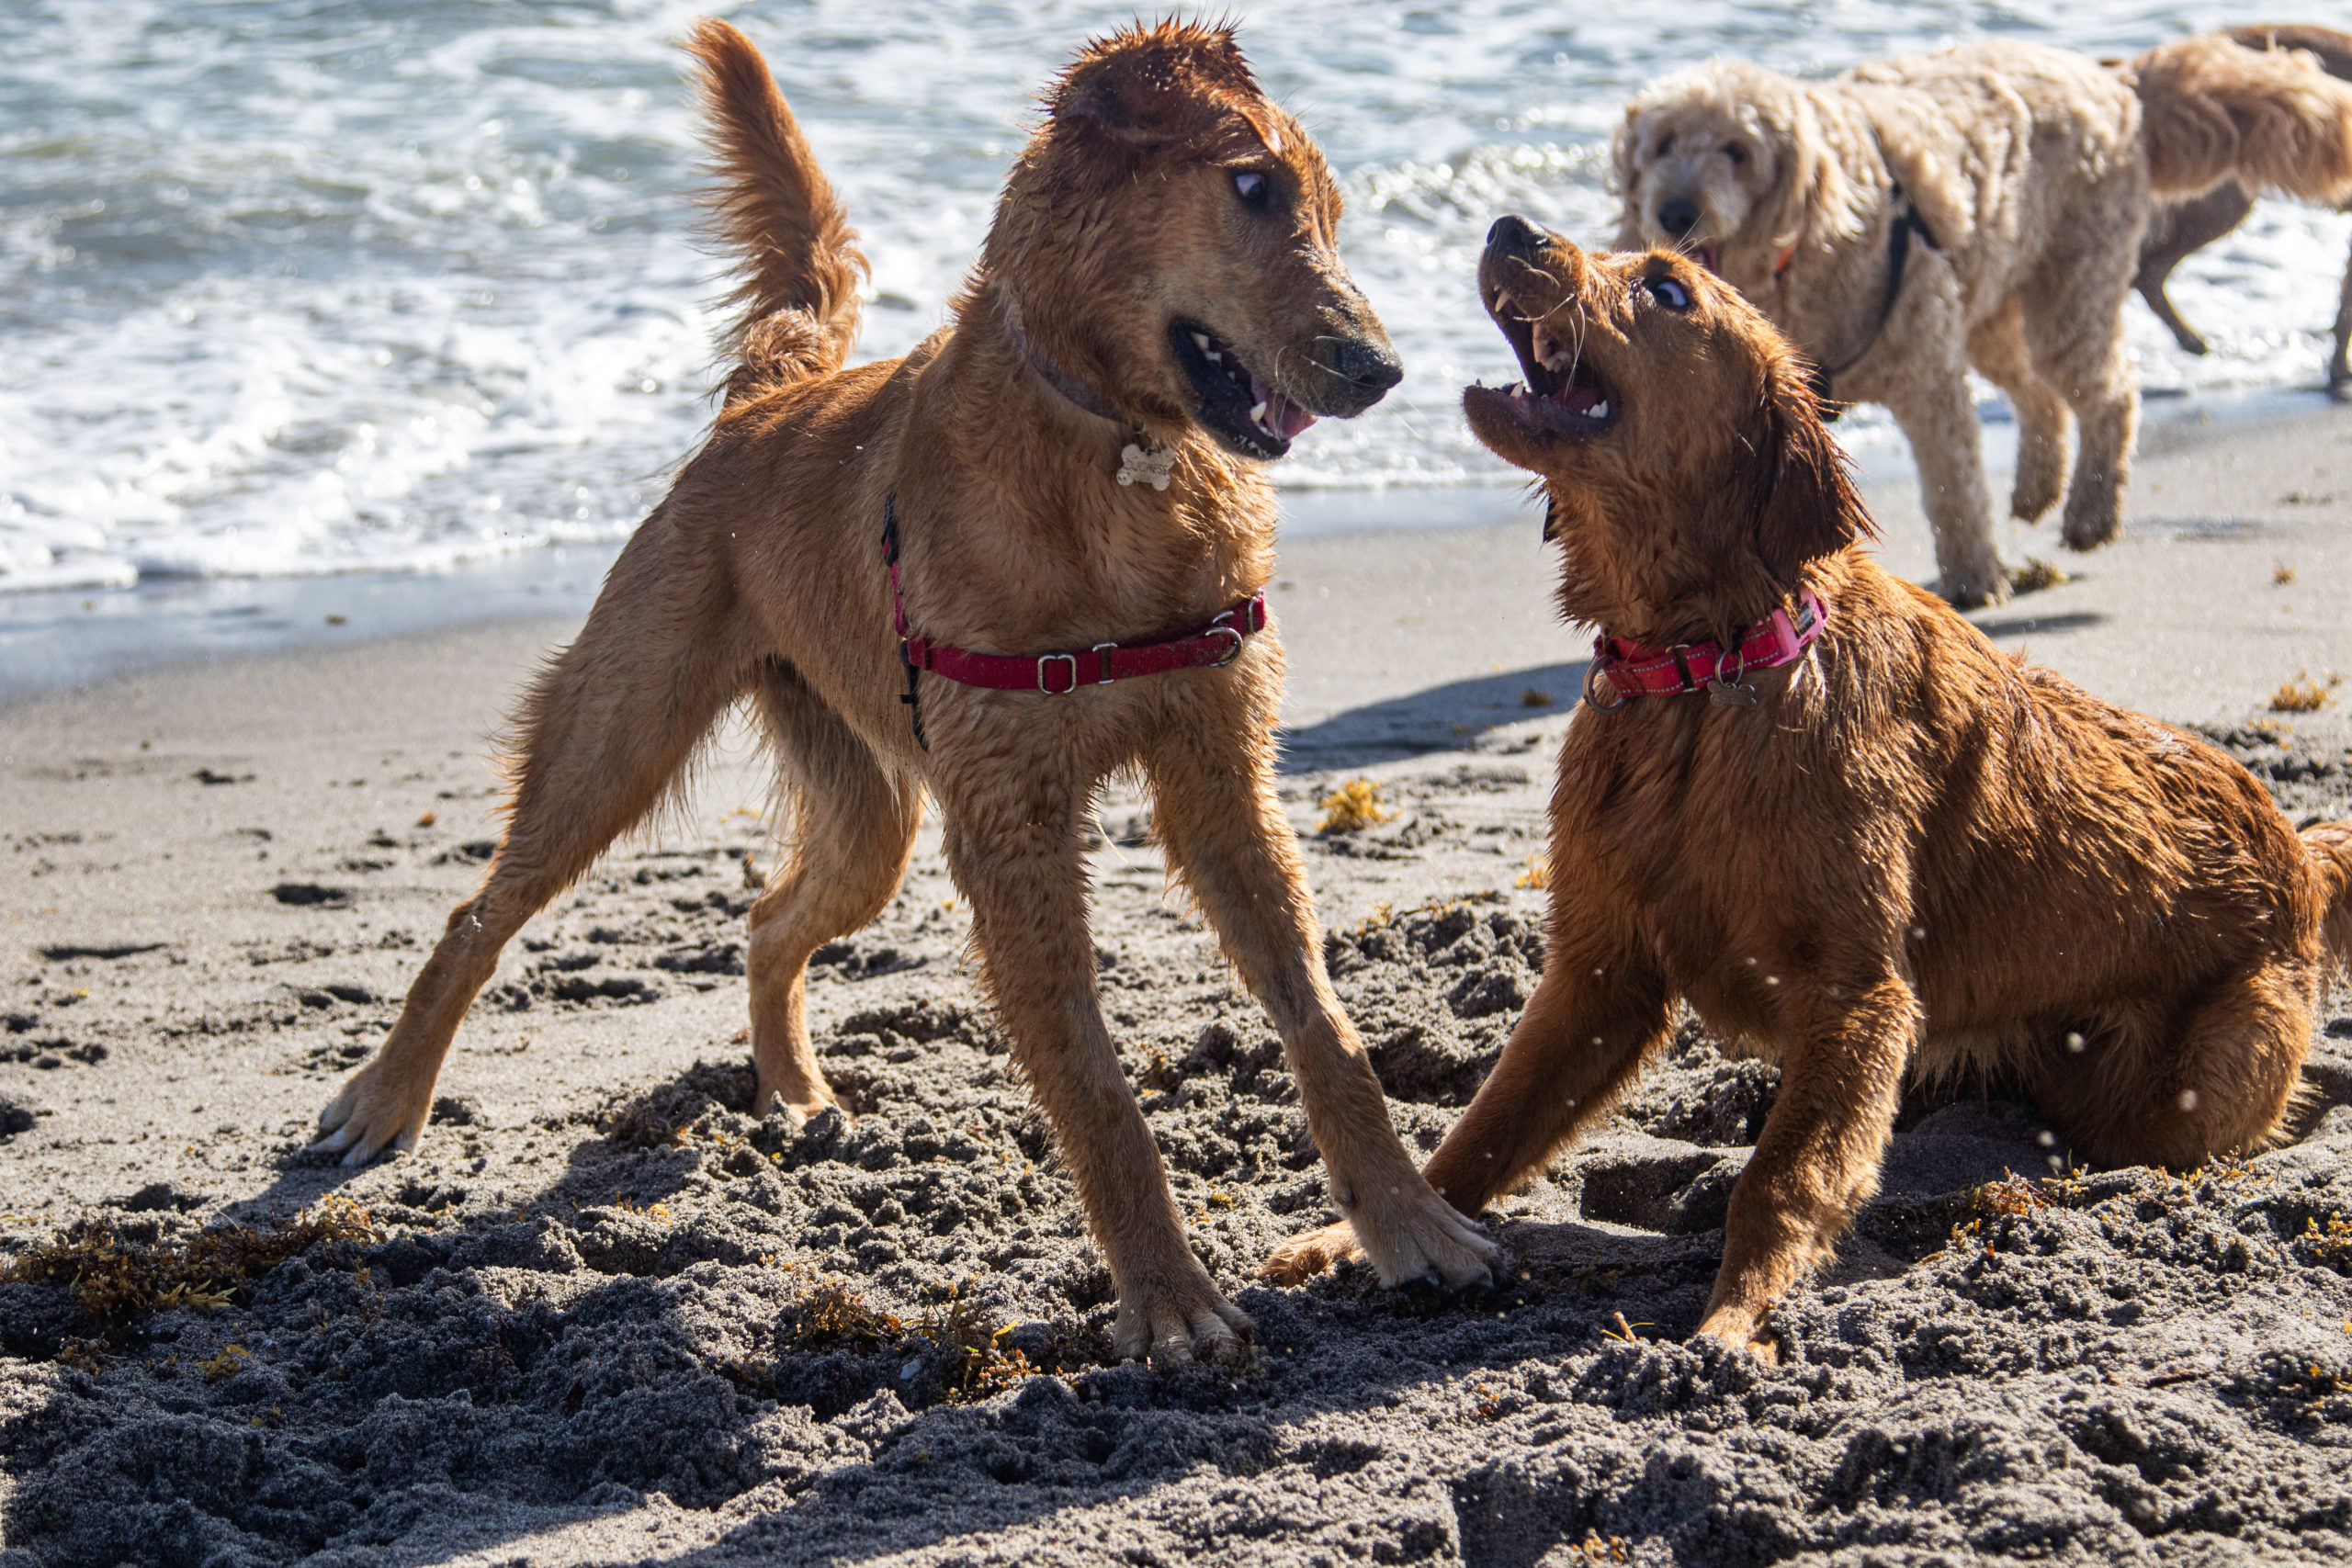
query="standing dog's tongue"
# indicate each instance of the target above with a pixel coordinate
(1276, 414)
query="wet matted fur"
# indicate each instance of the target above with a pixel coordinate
(1163, 204)
(2030, 171)
(2178, 228)
(1912, 854)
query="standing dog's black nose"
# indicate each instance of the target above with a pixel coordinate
(1678, 216)
(1513, 232)
(1374, 367)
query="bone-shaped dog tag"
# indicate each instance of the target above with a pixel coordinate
(1151, 468)
(1722, 691)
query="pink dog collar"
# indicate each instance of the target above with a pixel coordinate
(1633, 670)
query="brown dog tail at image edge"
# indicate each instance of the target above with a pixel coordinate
(2271, 118)
(774, 211)
(2329, 844)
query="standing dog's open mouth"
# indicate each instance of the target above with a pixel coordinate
(1237, 406)
(1563, 393)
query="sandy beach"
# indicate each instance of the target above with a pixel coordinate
(603, 1316)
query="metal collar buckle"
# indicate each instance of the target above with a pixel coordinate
(1051, 690)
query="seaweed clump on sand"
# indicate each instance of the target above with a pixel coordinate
(950, 1351)
(114, 1281)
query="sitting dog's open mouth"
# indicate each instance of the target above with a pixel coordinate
(1710, 256)
(1235, 407)
(1563, 393)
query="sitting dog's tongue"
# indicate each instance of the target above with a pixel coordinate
(1275, 413)
(1586, 400)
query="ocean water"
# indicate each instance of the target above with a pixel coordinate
(301, 287)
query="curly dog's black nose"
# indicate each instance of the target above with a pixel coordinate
(1678, 216)
(1513, 232)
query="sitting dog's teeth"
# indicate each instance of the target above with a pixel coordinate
(1258, 416)
(1600, 408)
(1201, 341)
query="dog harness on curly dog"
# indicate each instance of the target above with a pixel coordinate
(1216, 640)
(1633, 670)
(1907, 222)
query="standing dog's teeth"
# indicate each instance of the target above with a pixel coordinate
(1201, 341)
(1600, 408)
(1258, 416)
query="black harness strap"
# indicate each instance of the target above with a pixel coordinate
(890, 560)
(1898, 252)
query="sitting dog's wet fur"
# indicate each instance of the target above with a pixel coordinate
(1913, 854)
(1165, 245)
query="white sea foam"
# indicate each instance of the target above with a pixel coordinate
(296, 289)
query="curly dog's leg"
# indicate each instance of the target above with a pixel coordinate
(1997, 346)
(1932, 403)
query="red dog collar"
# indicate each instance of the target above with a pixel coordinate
(1216, 640)
(1633, 670)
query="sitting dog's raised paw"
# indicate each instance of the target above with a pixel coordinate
(1302, 1258)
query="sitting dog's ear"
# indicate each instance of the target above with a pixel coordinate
(1803, 500)
(1169, 84)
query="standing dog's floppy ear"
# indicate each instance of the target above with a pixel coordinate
(1169, 84)
(1805, 503)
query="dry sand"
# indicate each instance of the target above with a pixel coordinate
(591, 1320)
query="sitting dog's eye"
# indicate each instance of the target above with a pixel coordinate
(1254, 189)
(1736, 153)
(1669, 293)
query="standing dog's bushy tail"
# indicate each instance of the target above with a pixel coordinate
(2329, 845)
(2272, 119)
(775, 212)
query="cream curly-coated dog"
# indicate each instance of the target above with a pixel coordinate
(1983, 206)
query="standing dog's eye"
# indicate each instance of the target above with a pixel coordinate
(1669, 293)
(1736, 153)
(1254, 189)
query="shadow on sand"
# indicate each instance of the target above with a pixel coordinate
(1439, 719)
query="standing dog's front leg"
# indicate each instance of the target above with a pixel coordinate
(1599, 1010)
(1013, 844)
(1818, 1158)
(1215, 813)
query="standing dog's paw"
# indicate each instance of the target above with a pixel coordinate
(1413, 1234)
(367, 1118)
(1740, 1331)
(1173, 1324)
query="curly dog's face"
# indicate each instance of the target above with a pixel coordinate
(1677, 433)
(1172, 233)
(1726, 163)
(1696, 173)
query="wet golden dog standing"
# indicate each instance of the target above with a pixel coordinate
(1865, 842)
(1070, 475)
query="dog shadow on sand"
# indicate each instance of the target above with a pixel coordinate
(1451, 718)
